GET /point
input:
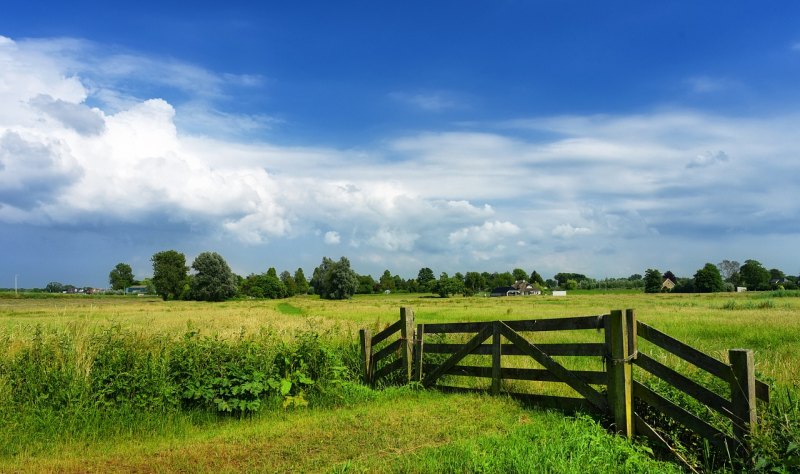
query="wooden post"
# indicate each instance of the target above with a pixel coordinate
(365, 337)
(618, 367)
(633, 343)
(407, 336)
(420, 348)
(496, 360)
(743, 394)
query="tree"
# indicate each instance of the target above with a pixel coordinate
(728, 268)
(426, 280)
(571, 285)
(263, 286)
(537, 279)
(652, 281)
(121, 277)
(447, 286)
(288, 281)
(754, 275)
(668, 275)
(213, 280)
(169, 274)
(708, 279)
(386, 281)
(366, 285)
(335, 280)
(473, 282)
(301, 282)
(519, 274)
(54, 287)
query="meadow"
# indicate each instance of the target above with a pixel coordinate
(133, 384)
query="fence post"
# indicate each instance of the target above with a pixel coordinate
(407, 336)
(618, 367)
(419, 352)
(496, 358)
(743, 394)
(365, 337)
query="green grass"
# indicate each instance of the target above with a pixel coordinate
(139, 423)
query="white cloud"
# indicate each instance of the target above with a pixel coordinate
(332, 238)
(489, 234)
(567, 231)
(708, 159)
(430, 102)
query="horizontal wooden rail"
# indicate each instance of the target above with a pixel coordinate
(563, 404)
(573, 349)
(696, 357)
(388, 369)
(714, 436)
(386, 351)
(383, 335)
(685, 384)
(534, 375)
(554, 324)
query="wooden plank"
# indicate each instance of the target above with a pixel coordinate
(685, 351)
(689, 420)
(643, 428)
(420, 351)
(567, 349)
(496, 358)
(365, 338)
(407, 343)
(453, 359)
(686, 385)
(556, 324)
(383, 335)
(565, 375)
(534, 375)
(762, 391)
(386, 351)
(633, 338)
(387, 369)
(620, 389)
(743, 394)
(449, 328)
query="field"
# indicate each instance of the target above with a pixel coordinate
(105, 424)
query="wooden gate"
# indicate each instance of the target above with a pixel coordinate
(619, 349)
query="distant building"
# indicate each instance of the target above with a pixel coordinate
(136, 290)
(741, 289)
(668, 285)
(519, 288)
(559, 292)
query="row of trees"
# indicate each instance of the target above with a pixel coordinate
(727, 275)
(212, 280)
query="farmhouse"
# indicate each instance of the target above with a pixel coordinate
(668, 285)
(520, 287)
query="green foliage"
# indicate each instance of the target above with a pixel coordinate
(335, 280)
(54, 287)
(426, 280)
(121, 277)
(754, 275)
(446, 286)
(708, 279)
(571, 285)
(263, 286)
(170, 274)
(652, 281)
(519, 274)
(288, 282)
(214, 280)
(301, 282)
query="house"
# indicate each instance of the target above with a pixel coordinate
(136, 290)
(668, 285)
(526, 288)
(504, 291)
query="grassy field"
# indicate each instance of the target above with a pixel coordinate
(347, 428)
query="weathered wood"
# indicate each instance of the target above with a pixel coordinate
(420, 352)
(633, 337)
(554, 324)
(685, 351)
(453, 359)
(387, 369)
(762, 391)
(407, 341)
(365, 338)
(620, 390)
(643, 428)
(687, 419)
(388, 350)
(565, 375)
(533, 375)
(496, 358)
(743, 394)
(567, 349)
(383, 335)
(685, 384)
(557, 324)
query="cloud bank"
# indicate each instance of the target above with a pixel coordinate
(562, 193)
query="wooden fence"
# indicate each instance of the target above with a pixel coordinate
(619, 349)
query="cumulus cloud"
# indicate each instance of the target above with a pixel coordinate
(708, 159)
(332, 238)
(568, 231)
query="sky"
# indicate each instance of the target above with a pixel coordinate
(602, 138)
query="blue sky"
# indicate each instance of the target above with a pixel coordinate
(600, 138)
